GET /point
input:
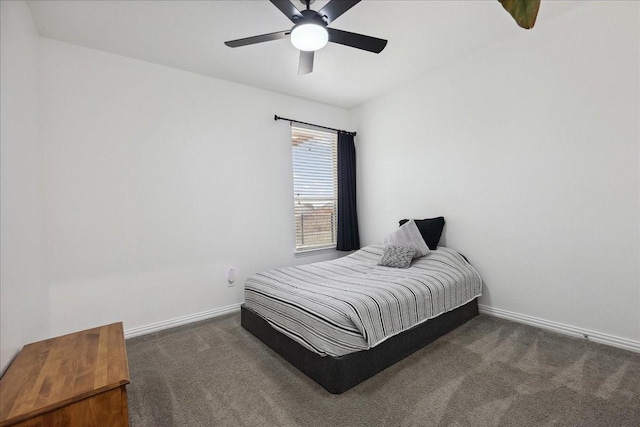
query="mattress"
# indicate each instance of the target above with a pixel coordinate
(351, 304)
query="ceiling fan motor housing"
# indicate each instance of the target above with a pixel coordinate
(310, 17)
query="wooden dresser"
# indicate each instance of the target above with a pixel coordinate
(73, 380)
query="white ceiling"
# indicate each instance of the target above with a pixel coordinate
(189, 35)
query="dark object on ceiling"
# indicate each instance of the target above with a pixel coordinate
(317, 22)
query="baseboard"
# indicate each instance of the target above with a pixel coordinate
(561, 328)
(179, 321)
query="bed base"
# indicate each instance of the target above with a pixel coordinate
(339, 374)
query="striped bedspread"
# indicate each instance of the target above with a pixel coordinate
(351, 304)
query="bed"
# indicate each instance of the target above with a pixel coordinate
(342, 321)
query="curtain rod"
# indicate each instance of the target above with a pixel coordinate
(276, 118)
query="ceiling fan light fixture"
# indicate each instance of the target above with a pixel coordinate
(309, 37)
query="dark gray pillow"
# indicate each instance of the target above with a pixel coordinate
(397, 256)
(430, 229)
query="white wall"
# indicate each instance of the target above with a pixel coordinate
(24, 296)
(157, 181)
(530, 149)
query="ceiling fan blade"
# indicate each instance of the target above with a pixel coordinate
(288, 9)
(359, 41)
(258, 39)
(306, 62)
(335, 8)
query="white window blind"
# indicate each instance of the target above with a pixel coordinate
(315, 187)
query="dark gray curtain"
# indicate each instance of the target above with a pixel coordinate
(348, 236)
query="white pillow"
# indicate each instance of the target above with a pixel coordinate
(407, 235)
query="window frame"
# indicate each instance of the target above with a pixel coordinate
(324, 134)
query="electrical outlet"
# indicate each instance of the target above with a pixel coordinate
(231, 276)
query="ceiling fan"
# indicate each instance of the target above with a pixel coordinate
(310, 31)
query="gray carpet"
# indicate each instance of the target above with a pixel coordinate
(488, 372)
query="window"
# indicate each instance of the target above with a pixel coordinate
(315, 187)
